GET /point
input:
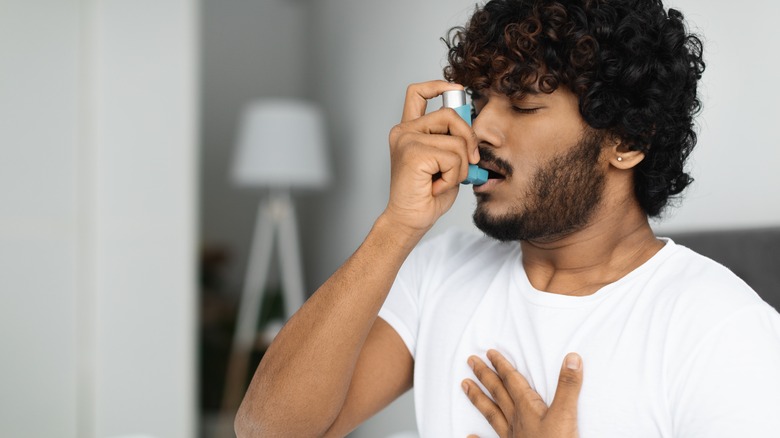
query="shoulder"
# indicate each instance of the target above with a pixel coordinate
(693, 281)
(457, 247)
(701, 297)
(455, 256)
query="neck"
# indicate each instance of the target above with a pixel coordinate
(617, 240)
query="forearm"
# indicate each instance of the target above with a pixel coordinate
(305, 374)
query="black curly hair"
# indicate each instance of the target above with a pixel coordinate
(633, 65)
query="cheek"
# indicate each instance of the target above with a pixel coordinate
(531, 153)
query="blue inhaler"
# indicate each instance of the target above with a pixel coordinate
(456, 99)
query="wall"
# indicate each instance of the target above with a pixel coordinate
(144, 61)
(738, 152)
(97, 217)
(39, 217)
(250, 49)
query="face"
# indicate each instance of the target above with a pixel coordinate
(549, 159)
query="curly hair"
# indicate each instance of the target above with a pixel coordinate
(633, 66)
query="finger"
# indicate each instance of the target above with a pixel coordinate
(520, 391)
(493, 383)
(434, 154)
(417, 96)
(442, 121)
(453, 170)
(458, 127)
(486, 407)
(447, 121)
(564, 405)
(514, 382)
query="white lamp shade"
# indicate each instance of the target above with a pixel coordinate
(281, 143)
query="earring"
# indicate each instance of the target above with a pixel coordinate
(619, 158)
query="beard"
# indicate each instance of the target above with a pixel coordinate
(562, 197)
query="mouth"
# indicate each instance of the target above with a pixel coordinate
(492, 169)
(498, 169)
(495, 177)
(492, 174)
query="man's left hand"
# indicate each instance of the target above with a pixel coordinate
(518, 411)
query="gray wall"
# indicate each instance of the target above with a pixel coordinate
(250, 49)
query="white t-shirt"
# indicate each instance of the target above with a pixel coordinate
(680, 347)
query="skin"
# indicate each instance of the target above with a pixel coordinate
(516, 410)
(334, 364)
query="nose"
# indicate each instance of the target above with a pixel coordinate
(486, 127)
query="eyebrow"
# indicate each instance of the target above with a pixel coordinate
(475, 94)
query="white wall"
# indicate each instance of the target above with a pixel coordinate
(145, 135)
(39, 217)
(97, 217)
(736, 160)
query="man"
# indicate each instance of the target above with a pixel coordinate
(570, 318)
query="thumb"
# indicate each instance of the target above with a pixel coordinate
(569, 384)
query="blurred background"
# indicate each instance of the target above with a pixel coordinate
(124, 239)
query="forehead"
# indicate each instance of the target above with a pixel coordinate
(517, 87)
(561, 93)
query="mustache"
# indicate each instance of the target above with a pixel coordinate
(486, 155)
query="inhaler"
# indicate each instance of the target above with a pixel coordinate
(456, 99)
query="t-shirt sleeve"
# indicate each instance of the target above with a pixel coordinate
(729, 385)
(401, 312)
(402, 308)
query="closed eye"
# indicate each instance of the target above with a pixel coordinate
(525, 110)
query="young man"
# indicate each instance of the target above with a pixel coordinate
(569, 318)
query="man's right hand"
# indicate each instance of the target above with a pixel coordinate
(516, 409)
(429, 156)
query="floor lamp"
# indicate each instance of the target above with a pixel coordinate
(281, 146)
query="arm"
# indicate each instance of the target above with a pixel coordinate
(322, 372)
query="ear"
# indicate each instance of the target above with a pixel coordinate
(620, 156)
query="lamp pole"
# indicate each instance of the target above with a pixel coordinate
(275, 225)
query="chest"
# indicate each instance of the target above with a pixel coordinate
(621, 343)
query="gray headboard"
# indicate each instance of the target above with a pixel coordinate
(752, 254)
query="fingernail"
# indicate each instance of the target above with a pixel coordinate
(573, 361)
(471, 363)
(465, 387)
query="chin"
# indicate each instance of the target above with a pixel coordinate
(495, 209)
(500, 226)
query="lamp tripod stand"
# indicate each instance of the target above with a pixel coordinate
(275, 225)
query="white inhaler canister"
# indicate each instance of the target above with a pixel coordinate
(456, 99)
